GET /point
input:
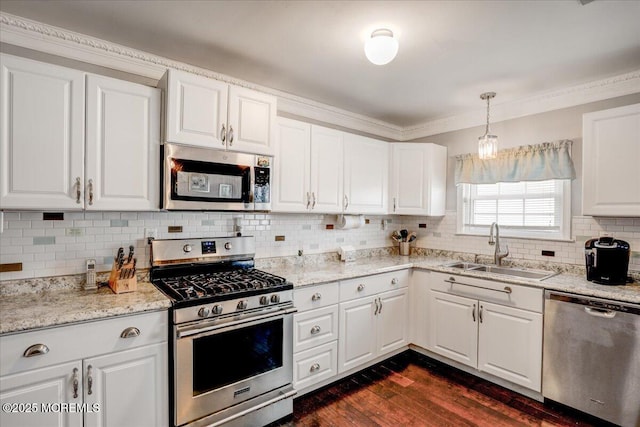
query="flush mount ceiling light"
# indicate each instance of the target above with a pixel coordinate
(381, 48)
(487, 144)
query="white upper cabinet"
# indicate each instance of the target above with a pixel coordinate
(42, 135)
(209, 113)
(123, 145)
(291, 189)
(418, 179)
(327, 173)
(47, 160)
(366, 174)
(196, 110)
(610, 159)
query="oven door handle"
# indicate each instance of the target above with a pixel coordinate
(195, 329)
(283, 395)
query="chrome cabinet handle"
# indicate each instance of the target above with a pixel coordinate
(75, 383)
(360, 287)
(313, 200)
(89, 380)
(230, 135)
(375, 313)
(346, 202)
(380, 300)
(90, 185)
(223, 134)
(480, 314)
(36, 350)
(505, 290)
(315, 330)
(78, 192)
(316, 297)
(473, 312)
(314, 367)
(308, 199)
(130, 332)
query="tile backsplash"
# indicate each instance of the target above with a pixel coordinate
(60, 247)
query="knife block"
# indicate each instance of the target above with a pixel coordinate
(119, 285)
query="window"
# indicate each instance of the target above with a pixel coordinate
(530, 209)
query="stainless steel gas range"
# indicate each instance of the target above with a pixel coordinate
(231, 332)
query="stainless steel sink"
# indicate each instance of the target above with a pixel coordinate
(507, 271)
(516, 272)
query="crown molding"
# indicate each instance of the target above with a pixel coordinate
(57, 41)
(612, 87)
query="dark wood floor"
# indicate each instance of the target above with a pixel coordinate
(413, 390)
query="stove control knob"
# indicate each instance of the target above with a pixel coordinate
(264, 300)
(275, 298)
(228, 246)
(203, 312)
(242, 305)
(217, 309)
(187, 248)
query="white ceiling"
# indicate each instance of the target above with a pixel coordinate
(450, 51)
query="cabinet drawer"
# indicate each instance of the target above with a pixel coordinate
(311, 297)
(79, 341)
(374, 284)
(315, 327)
(487, 290)
(315, 365)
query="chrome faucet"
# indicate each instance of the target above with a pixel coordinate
(498, 254)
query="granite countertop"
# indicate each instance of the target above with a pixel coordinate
(51, 305)
(47, 302)
(330, 271)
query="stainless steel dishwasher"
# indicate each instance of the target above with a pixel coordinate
(592, 356)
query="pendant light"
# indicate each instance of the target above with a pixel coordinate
(487, 144)
(381, 48)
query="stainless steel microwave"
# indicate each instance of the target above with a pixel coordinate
(212, 180)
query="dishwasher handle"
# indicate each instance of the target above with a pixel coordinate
(599, 312)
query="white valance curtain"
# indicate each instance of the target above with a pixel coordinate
(541, 162)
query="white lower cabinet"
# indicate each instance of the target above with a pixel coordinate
(489, 326)
(315, 335)
(103, 373)
(374, 324)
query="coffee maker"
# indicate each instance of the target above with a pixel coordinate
(607, 260)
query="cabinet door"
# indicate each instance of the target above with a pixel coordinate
(42, 138)
(419, 300)
(418, 179)
(357, 342)
(454, 330)
(610, 158)
(196, 110)
(326, 170)
(392, 320)
(123, 145)
(130, 386)
(292, 162)
(252, 121)
(510, 344)
(52, 385)
(366, 174)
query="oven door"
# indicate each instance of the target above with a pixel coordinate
(205, 179)
(218, 365)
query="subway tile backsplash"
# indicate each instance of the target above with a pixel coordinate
(59, 247)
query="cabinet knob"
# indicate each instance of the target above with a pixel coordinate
(315, 330)
(394, 281)
(130, 332)
(314, 367)
(360, 287)
(36, 350)
(316, 297)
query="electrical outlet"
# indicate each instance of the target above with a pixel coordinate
(150, 233)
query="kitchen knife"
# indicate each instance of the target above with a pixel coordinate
(120, 258)
(130, 257)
